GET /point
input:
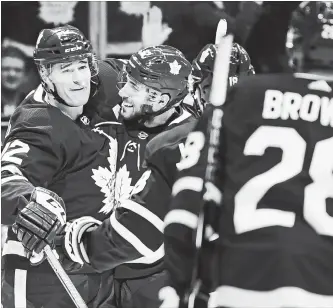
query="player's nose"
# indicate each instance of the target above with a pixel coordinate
(78, 76)
(124, 91)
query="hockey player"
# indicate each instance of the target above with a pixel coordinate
(94, 172)
(202, 72)
(274, 236)
(137, 223)
(50, 144)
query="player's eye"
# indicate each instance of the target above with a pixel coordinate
(134, 86)
(82, 67)
(153, 94)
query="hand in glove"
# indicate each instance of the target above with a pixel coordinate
(73, 245)
(40, 220)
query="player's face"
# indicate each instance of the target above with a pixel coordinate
(136, 98)
(72, 81)
(205, 86)
(12, 73)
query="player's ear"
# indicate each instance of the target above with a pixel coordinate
(45, 76)
(165, 98)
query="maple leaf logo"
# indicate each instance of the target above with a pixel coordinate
(175, 67)
(123, 186)
(105, 180)
(116, 186)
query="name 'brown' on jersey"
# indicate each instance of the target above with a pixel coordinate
(276, 177)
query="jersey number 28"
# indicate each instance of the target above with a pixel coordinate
(248, 217)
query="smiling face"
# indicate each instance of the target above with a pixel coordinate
(138, 99)
(72, 81)
(12, 72)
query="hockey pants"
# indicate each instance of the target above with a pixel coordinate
(26, 289)
(138, 293)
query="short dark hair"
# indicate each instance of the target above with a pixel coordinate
(14, 52)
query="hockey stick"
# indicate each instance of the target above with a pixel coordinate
(217, 99)
(63, 277)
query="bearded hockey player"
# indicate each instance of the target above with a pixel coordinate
(137, 223)
(202, 73)
(274, 234)
(152, 85)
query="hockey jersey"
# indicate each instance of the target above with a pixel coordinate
(47, 145)
(274, 180)
(92, 164)
(131, 241)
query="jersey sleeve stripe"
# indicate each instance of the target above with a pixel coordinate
(12, 178)
(12, 169)
(190, 220)
(182, 217)
(144, 212)
(187, 182)
(129, 236)
(157, 255)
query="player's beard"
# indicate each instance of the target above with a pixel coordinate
(129, 111)
(136, 116)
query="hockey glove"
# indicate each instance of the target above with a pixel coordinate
(73, 243)
(40, 221)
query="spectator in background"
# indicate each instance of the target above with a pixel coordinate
(14, 65)
(194, 23)
(268, 52)
(13, 75)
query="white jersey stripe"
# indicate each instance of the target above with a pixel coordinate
(149, 256)
(13, 248)
(284, 297)
(157, 255)
(189, 220)
(12, 169)
(182, 217)
(129, 236)
(20, 288)
(144, 212)
(187, 182)
(12, 178)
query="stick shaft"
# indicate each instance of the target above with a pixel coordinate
(217, 99)
(63, 277)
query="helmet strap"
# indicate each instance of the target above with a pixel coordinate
(149, 115)
(58, 98)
